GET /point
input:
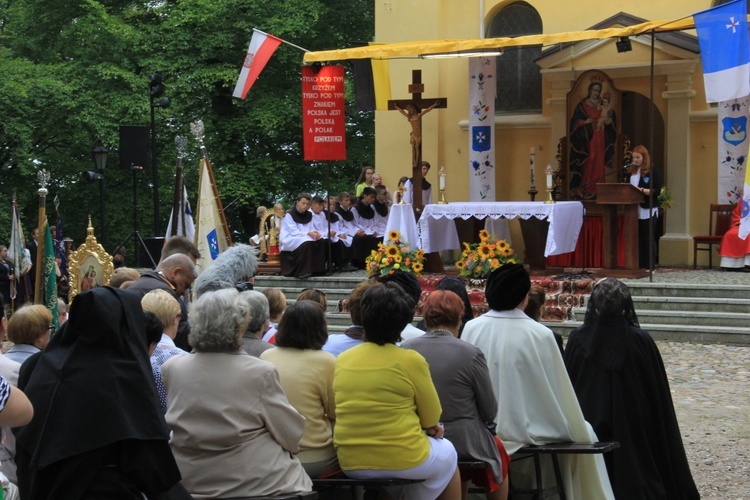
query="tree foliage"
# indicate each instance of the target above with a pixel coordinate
(76, 71)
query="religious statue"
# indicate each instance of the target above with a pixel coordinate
(415, 119)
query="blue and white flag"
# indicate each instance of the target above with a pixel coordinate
(725, 50)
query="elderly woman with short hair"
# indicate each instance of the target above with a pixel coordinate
(258, 308)
(302, 333)
(462, 379)
(29, 329)
(387, 408)
(234, 433)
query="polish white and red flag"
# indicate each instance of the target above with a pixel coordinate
(262, 47)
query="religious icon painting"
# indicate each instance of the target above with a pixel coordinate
(594, 116)
(90, 266)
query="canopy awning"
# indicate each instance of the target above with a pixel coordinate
(427, 47)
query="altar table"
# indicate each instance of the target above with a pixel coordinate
(436, 230)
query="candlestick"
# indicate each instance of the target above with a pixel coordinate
(441, 184)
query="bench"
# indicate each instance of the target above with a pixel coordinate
(553, 450)
(305, 495)
(370, 486)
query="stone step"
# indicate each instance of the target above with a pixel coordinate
(669, 311)
(659, 317)
(676, 333)
(645, 289)
(695, 304)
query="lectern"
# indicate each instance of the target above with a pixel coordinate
(613, 195)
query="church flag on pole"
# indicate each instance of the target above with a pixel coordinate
(262, 47)
(181, 219)
(725, 50)
(17, 245)
(49, 274)
(211, 234)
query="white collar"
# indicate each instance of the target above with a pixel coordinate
(512, 313)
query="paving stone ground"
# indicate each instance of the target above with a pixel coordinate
(710, 386)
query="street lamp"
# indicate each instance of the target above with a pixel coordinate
(156, 90)
(99, 154)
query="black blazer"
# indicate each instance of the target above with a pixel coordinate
(655, 190)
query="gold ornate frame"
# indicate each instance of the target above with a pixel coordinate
(90, 256)
(268, 228)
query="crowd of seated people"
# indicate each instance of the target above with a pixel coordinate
(119, 411)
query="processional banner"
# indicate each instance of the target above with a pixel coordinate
(323, 117)
(482, 128)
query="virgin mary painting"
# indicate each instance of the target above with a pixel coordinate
(592, 137)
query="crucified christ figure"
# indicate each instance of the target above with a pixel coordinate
(415, 118)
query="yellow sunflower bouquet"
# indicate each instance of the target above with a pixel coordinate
(478, 260)
(394, 256)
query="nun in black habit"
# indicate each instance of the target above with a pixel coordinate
(97, 431)
(619, 379)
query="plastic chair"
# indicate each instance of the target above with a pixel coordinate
(723, 216)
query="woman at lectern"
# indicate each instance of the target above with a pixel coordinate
(648, 181)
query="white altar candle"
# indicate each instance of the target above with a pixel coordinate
(549, 176)
(532, 162)
(441, 178)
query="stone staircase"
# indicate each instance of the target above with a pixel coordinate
(668, 311)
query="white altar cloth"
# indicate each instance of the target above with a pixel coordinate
(401, 218)
(437, 231)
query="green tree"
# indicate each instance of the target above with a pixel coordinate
(75, 71)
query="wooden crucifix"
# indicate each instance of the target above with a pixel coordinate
(414, 109)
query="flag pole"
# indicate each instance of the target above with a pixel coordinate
(282, 40)
(43, 178)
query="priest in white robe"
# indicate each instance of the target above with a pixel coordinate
(536, 401)
(303, 248)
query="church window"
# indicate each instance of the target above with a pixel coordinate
(519, 81)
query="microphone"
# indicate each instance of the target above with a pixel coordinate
(633, 164)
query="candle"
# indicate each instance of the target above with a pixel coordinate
(532, 162)
(441, 177)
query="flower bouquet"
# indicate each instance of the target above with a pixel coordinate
(665, 198)
(394, 256)
(478, 260)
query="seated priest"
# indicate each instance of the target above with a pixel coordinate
(303, 248)
(366, 238)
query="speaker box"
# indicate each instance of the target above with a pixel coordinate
(154, 246)
(133, 146)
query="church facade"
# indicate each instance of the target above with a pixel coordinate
(536, 86)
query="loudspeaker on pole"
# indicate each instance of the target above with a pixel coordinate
(133, 146)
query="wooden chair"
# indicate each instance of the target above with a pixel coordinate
(723, 215)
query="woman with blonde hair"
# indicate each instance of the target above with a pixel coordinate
(167, 310)
(29, 329)
(276, 307)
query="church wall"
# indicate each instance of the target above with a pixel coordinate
(445, 137)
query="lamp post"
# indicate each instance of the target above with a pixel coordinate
(156, 89)
(99, 154)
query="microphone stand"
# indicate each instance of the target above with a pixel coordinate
(583, 272)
